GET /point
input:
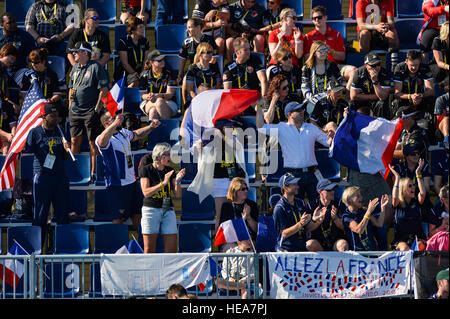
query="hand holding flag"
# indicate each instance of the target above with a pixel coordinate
(232, 231)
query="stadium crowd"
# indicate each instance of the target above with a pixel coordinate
(306, 85)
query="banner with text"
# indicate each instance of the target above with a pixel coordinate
(151, 274)
(333, 275)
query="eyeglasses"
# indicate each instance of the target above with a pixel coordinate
(207, 52)
(284, 87)
(287, 57)
(244, 189)
(95, 18)
(270, 2)
(317, 18)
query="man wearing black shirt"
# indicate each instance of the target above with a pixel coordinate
(247, 18)
(246, 71)
(371, 86)
(330, 109)
(90, 33)
(413, 84)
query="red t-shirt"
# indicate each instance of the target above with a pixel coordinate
(434, 12)
(331, 37)
(365, 9)
(134, 3)
(288, 43)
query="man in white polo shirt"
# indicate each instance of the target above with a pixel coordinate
(297, 140)
(114, 144)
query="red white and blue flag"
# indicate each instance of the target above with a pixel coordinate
(232, 231)
(114, 100)
(212, 105)
(29, 118)
(366, 144)
(12, 270)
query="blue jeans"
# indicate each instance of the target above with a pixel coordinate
(169, 12)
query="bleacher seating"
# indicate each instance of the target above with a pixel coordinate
(163, 133)
(71, 239)
(334, 8)
(79, 171)
(58, 65)
(63, 274)
(101, 210)
(109, 238)
(132, 100)
(78, 204)
(105, 8)
(340, 26)
(29, 237)
(194, 238)
(409, 9)
(407, 32)
(297, 6)
(192, 209)
(169, 37)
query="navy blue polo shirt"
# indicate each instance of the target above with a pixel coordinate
(356, 240)
(408, 220)
(285, 215)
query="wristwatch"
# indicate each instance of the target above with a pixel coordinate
(376, 82)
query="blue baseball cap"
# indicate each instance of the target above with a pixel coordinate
(293, 106)
(325, 184)
(287, 179)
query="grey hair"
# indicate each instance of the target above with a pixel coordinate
(160, 149)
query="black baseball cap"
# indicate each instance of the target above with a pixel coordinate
(48, 109)
(155, 55)
(372, 59)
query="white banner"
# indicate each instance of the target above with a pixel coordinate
(333, 275)
(151, 274)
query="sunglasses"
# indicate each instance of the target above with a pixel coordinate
(291, 16)
(95, 18)
(317, 18)
(375, 65)
(284, 87)
(207, 52)
(415, 153)
(35, 62)
(411, 185)
(287, 57)
(244, 189)
(323, 50)
(271, 2)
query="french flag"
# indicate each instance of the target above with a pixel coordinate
(212, 105)
(114, 100)
(12, 270)
(366, 144)
(132, 247)
(231, 231)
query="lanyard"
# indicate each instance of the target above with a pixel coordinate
(409, 86)
(85, 36)
(239, 78)
(324, 83)
(80, 78)
(157, 78)
(368, 86)
(140, 56)
(163, 192)
(204, 78)
(43, 13)
(289, 45)
(123, 145)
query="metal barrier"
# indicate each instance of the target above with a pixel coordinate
(78, 276)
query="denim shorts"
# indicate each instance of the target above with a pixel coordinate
(156, 221)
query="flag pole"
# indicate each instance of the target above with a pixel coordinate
(251, 241)
(65, 141)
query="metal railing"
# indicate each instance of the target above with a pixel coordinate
(78, 277)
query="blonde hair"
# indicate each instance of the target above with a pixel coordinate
(348, 193)
(286, 11)
(235, 185)
(443, 192)
(202, 47)
(159, 150)
(403, 185)
(239, 43)
(281, 53)
(312, 53)
(443, 34)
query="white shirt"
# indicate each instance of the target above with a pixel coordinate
(117, 172)
(297, 145)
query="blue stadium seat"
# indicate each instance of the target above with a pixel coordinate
(219, 59)
(26, 166)
(407, 32)
(101, 211)
(187, 162)
(329, 168)
(29, 237)
(137, 156)
(340, 26)
(274, 177)
(169, 37)
(250, 165)
(64, 282)
(132, 100)
(267, 236)
(437, 155)
(252, 194)
(105, 8)
(334, 8)
(78, 204)
(163, 133)
(192, 209)
(99, 170)
(409, 9)
(109, 238)
(297, 5)
(79, 172)
(172, 63)
(18, 8)
(338, 191)
(355, 58)
(194, 238)
(58, 65)
(120, 31)
(71, 239)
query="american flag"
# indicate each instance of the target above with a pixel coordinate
(29, 118)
